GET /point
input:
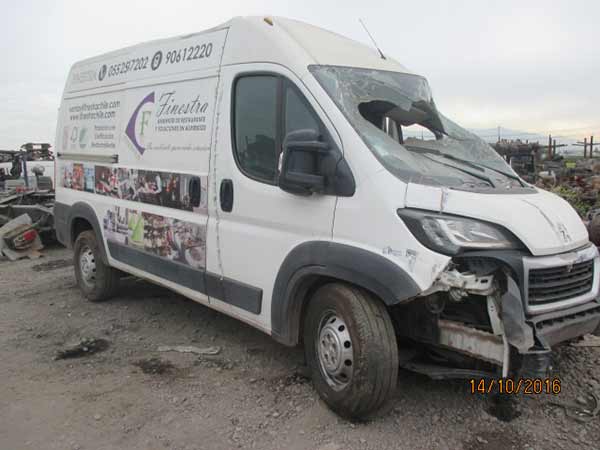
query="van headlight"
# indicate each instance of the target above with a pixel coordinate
(450, 235)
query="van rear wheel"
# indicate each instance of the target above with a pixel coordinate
(96, 280)
(351, 350)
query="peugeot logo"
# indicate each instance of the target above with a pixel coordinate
(563, 232)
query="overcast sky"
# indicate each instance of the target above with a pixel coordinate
(525, 65)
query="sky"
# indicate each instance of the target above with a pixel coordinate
(532, 66)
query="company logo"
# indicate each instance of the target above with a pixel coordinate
(139, 122)
(563, 232)
(102, 72)
(156, 60)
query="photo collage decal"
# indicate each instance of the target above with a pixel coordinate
(168, 189)
(173, 239)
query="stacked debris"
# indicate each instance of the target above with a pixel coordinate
(19, 239)
(578, 182)
(25, 190)
(38, 205)
(523, 157)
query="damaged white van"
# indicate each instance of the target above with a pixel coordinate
(306, 185)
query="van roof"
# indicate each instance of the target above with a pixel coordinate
(253, 39)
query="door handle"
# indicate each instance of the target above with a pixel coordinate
(226, 195)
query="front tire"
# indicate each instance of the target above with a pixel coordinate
(96, 280)
(351, 350)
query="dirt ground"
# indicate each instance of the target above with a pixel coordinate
(253, 394)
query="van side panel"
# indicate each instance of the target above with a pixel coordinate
(133, 140)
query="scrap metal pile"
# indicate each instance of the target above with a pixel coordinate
(578, 182)
(26, 202)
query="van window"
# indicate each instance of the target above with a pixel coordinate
(256, 126)
(267, 107)
(298, 114)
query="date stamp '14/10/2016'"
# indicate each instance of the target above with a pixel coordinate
(526, 386)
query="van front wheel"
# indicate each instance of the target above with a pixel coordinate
(351, 350)
(96, 280)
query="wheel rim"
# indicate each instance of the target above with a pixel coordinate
(334, 350)
(87, 266)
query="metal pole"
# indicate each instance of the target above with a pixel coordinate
(553, 148)
(584, 148)
(549, 146)
(24, 162)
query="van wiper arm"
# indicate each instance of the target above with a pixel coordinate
(460, 169)
(475, 165)
(479, 165)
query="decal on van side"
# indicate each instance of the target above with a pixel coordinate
(172, 239)
(167, 189)
(195, 52)
(91, 125)
(144, 119)
(171, 118)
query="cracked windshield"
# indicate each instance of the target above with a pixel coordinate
(395, 115)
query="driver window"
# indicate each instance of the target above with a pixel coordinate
(298, 113)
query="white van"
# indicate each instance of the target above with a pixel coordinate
(309, 186)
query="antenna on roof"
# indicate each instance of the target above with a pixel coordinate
(373, 40)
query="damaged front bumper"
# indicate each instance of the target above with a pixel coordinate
(526, 306)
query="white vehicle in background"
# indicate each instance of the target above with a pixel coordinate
(306, 185)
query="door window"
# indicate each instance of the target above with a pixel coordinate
(266, 108)
(298, 114)
(256, 126)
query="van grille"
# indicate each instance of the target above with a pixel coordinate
(560, 283)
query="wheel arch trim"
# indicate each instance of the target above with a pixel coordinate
(67, 215)
(317, 260)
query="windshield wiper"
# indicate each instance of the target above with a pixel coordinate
(480, 176)
(466, 162)
(474, 164)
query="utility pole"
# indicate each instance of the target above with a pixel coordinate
(553, 148)
(549, 147)
(585, 145)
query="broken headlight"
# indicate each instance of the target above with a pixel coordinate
(450, 235)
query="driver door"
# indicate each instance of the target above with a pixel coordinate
(256, 224)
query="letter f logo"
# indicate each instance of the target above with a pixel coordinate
(145, 119)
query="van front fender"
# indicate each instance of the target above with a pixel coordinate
(314, 261)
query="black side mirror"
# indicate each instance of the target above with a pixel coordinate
(301, 169)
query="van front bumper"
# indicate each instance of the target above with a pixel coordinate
(560, 295)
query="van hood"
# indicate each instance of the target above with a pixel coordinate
(543, 221)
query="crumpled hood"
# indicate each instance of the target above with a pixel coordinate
(543, 221)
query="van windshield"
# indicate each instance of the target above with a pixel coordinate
(395, 115)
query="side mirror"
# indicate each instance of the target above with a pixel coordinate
(300, 165)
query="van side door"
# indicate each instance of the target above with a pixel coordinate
(256, 224)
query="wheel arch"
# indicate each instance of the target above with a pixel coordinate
(312, 264)
(80, 217)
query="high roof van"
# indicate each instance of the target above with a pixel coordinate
(309, 186)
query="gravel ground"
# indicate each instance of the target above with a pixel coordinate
(253, 394)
